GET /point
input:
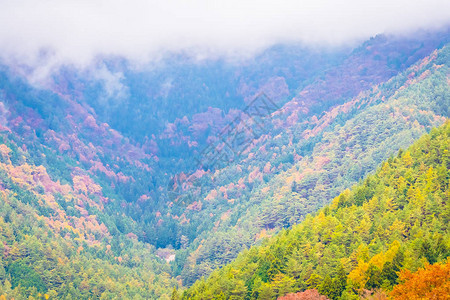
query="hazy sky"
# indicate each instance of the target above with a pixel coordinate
(76, 31)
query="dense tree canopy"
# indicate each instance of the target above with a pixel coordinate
(396, 219)
(93, 204)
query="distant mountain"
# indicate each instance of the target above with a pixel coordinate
(394, 220)
(172, 105)
(108, 188)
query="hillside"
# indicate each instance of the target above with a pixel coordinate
(178, 91)
(102, 193)
(395, 219)
(281, 178)
(64, 179)
(58, 238)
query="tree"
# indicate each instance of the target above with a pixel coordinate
(430, 282)
(239, 290)
(175, 295)
(407, 159)
(282, 284)
(25, 276)
(339, 283)
(266, 292)
(326, 288)
(374, 279)
(389, 273)
(314, 281)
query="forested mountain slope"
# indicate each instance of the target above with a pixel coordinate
(281, 178)
(63, 181)
(395, 219)
(58, 241)
(92, 208)
(115, 124)
(139, 101)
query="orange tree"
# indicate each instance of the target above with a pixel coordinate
(430, 282)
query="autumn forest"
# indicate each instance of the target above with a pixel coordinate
(298, 171)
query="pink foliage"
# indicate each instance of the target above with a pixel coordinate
(196, 205)
(132, 236)
(292, 119)
(122, 178)
(85, 185)
(306, 295)
(143, 198)
(254, 175)
(321, 161)
(98, 166)
(91, 123)
(63, 147)
(212, 195)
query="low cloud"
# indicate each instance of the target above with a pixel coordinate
(49, 32)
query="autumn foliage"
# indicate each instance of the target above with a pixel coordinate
(356, 247)
(312, 294)
(430, 282)
(106, 199)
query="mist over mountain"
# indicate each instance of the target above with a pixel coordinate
(166, 151)
(53, 33)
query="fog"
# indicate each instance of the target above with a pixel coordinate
(50, 32)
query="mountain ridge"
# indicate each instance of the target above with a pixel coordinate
(278, 200)
(101, 198)
(403, 212)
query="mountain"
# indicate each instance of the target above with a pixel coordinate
(281, 178)
(395, 219)
(107, 185)
(60, 227)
